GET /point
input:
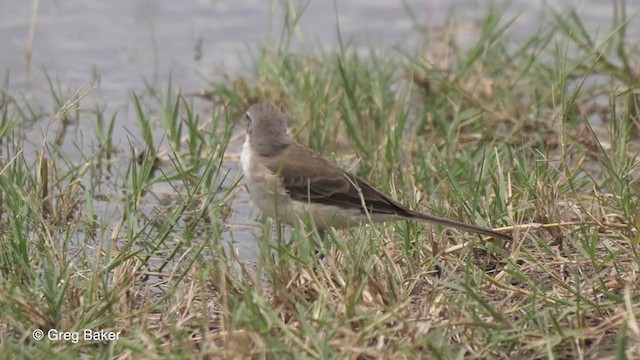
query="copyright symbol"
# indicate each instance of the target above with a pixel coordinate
(38, 334)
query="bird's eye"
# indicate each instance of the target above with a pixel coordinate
(247, 119)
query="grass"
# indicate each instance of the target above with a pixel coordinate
(537, 135)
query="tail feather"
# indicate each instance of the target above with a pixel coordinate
(459, 225)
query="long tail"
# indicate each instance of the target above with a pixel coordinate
(460, 226)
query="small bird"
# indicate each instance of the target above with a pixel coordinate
(286, 181)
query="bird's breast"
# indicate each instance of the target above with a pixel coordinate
(265, 187)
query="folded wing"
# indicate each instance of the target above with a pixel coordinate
(310, 178)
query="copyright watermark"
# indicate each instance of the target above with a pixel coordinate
(75, 336)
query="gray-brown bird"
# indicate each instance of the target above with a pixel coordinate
(288, 181)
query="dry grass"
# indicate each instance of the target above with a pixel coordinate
(508, 134)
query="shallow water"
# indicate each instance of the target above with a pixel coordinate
(121, 45)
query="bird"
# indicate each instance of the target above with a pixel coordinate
(288, 181)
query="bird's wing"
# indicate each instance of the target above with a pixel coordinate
(311, 178)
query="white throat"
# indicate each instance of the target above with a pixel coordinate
(245, 156)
